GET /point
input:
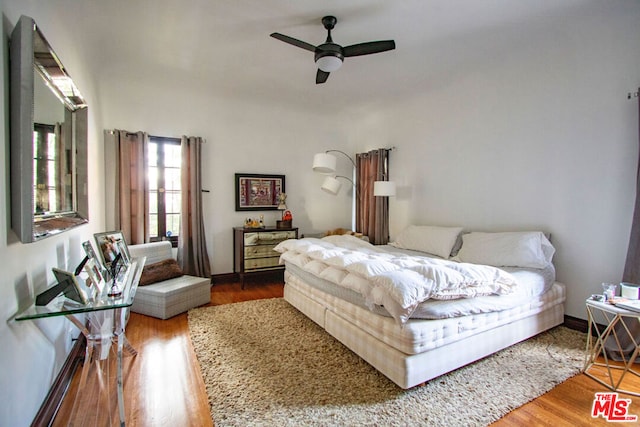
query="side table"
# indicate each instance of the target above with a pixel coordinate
(608, 323)
(107, 319)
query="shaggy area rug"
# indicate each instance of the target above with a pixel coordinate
(265, 363)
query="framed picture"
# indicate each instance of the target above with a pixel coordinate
(257, 192)
(74, 290)
(88, 249)
(124, 251)
(110, 244)
(94, 281)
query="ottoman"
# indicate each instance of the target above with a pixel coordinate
(169, 297)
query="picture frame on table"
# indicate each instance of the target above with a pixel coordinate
(88, 249)
(74, 289)
(91, 254)
(111, 244)
(95, 280)
(258, 192)
(124, 251)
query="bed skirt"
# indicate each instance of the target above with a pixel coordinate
(405, 369)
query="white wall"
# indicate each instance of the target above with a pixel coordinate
(241, 137)
(540, 137)
(33, 351)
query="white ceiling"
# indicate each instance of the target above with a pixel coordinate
(224, 48)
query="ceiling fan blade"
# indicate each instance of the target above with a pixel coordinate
(368, 48)
(321, 76)
(295, 42)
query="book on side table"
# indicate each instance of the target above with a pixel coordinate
(628, 304)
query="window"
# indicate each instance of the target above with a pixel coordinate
(164, 189)
(45, 173)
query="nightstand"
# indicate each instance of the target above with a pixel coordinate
(253, 249)
(610, 326)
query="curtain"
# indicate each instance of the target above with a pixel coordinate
(631, 274)
(372, 213)
(192, 248)
(128, 205)
(632, 264)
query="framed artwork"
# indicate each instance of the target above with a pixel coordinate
(73, 290)
(258, 192)
(111, 244)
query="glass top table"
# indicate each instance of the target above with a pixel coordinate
(127, 282)
(101, 320)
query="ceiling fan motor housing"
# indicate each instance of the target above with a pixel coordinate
(329, 49)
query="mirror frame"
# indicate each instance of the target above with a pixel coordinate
(24, 222)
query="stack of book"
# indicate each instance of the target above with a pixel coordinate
(627, 304)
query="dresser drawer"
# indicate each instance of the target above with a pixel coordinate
(260, 251)
(261, 263)
(267, 237)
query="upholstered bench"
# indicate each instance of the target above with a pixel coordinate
(172, 296)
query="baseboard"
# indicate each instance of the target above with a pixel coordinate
(224, 278)
(254, 276)
(575, 323)
(49, 408)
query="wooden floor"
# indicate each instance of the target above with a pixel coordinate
(163, 385)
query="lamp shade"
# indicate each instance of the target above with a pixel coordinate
(384, 188)
(331, 185)
(324, 163)
(329, 63)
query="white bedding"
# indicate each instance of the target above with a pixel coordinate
(399, 282)
(531, 284)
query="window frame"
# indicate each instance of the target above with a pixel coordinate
(161, 142)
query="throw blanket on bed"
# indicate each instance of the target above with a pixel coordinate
(396, 281)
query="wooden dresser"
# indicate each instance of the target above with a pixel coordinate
(253, 249)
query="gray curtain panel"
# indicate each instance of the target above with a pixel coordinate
(632, 265)
(192, 246)
(632, 275)
(126, 168)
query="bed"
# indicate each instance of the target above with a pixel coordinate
(433, 302)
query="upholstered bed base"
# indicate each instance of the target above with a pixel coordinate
(408, 370)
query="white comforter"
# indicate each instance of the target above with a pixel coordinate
(396, 281)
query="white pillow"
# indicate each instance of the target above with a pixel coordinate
(427, 238)
(528, 249)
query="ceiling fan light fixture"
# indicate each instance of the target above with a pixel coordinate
(329, 63)
(329, 55)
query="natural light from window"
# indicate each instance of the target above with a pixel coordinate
(164, 188)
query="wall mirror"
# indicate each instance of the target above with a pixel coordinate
(48, 139)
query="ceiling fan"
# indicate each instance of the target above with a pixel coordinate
(329, 55)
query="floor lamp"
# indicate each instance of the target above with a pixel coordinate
(325, 163)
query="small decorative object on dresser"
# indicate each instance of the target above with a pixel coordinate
(253, 249)
(286, 222)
